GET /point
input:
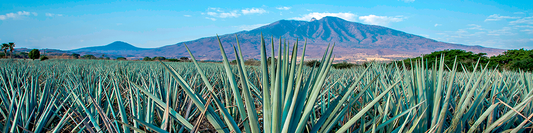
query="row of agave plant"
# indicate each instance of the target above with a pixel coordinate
(286, 96)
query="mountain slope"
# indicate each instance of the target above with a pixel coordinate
(353, 42)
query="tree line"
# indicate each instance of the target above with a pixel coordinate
(161, 58)
(8, 46)
(515, 59)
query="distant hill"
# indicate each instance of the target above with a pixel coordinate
(354, 42)
(117, 47)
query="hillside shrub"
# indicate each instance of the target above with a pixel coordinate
(312, 63)
(44, 58)
(252, 62)
(343, 65)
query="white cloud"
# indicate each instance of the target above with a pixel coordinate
(283, 8)
(187, 15)
(438, 25)
(217, 12)
(15, 14)
(23, 13)
(250, 27)
(460, 31)
(519, 13)
(475, 27)
(211, 18)
(523, 26)
(253, 11)
(229, 14)
(528, 31)
(503, 31)
(53, 15)
(343, 15)
(497, 17)
(381, 20)
(407, 1)
(525, 20)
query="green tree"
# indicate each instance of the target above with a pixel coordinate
(514, 59)
(22, 55)
(159, 58)
(121, 58)
(34, 54)
(147, 58)
(76, 56)
(526, 65)
(88, 56)
(5, 47)
(11, 48)
(233, 62)
(184, 58)
(269, 60)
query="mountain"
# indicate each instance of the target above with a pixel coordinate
(353, 42)
(117, 47)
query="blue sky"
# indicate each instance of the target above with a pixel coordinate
(69, 25)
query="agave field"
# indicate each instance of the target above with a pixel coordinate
(286, 96)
